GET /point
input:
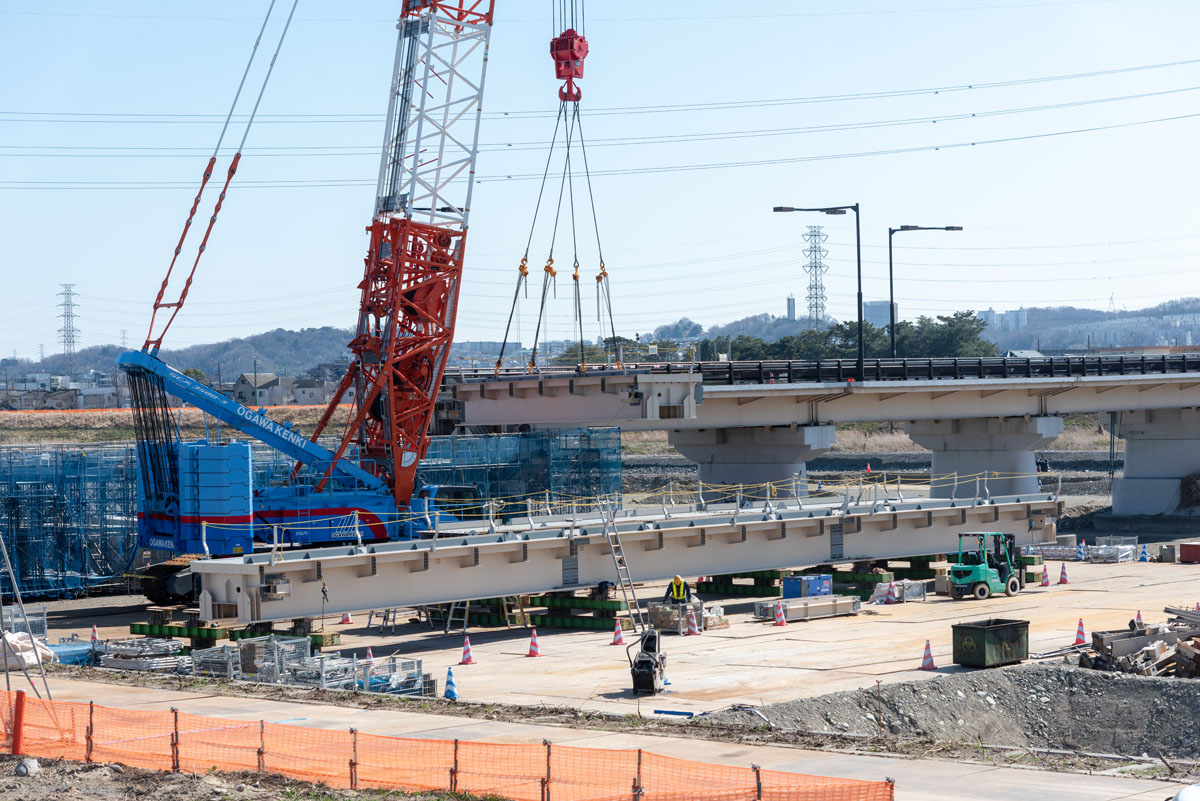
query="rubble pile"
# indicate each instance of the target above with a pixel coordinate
(1158, 649)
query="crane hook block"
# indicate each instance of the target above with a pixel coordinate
(568, 50)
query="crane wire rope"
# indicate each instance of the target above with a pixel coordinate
(568, 49)
(523, 267)
(153, 342)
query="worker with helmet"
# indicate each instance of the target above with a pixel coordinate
(678, 591)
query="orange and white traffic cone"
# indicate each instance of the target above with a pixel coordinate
(692, 627)
(467, 659)
(370, 657)
(1139, 617)
(346, 620)
(1045, 577)
(1080, 637)
(891, 596)
(927, 660)
(533, 645)
(780, 620)
(95, 634)
(618, 635)
(1062, 575)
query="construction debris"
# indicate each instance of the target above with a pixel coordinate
(1156, 649)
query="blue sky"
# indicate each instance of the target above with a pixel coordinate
(108, 92)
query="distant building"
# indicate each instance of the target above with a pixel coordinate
(791, 307)
(879, 313)
(1013, 320)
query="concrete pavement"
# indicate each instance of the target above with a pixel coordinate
(926, 780)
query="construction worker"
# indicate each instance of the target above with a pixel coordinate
(678, 591)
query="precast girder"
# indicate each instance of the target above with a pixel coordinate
(554, 554)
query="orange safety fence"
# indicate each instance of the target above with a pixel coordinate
(350, 759)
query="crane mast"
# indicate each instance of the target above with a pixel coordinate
(417, 238)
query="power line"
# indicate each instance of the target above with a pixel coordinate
(339, 151)
(159, 118)
(336, 182)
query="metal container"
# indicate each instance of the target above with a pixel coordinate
(1189, 552)
(991, 643)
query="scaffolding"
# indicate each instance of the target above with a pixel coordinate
(69, 515)
(568, 464)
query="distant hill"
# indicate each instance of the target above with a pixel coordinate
(280, 351)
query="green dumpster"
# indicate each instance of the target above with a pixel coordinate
(991, 643)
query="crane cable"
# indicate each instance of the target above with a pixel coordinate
(153, 343)
(568, 67)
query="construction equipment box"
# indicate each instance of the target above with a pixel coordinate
(807, 586)
(1189, 552)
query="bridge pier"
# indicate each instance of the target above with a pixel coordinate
(1000, 448)
(752, 457)
(1162, 446)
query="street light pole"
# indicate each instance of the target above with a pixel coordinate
(858, 258)
(891, 289)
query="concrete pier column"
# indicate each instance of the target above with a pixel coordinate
(752, 456)
(1001, 449)
(1162, 446)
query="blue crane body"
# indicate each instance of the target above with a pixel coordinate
(199, 497)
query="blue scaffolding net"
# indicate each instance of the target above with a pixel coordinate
(68, 514)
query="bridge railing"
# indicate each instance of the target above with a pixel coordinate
(842, 370)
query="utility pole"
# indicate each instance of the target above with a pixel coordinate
(68, 333)
(124, 333)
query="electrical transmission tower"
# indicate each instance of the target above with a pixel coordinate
(124, 332)
(816, 269)
(68, 333)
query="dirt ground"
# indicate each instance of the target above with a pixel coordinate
(58, 779)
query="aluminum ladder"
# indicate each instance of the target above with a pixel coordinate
(622, 566)
(514, 617)
(463, 608)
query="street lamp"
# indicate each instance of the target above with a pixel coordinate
(858, 254)
(891, 290)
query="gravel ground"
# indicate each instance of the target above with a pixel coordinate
(58, 779)
(1039, 706)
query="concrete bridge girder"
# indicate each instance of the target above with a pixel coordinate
(466, 565)
(1000, 451)
(641, 402)
(1162, 446)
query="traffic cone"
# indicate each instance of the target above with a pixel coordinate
(451, 688)
(780, 620)
(692, 627)
(1197, 609)
(927, 660)
(891, 596)
(1080, 637)
(618, 635)
(1139, 617)
(467, 659)
(1145, 557)
(1045, 576)
(533, 645)
(868, 467)
(370, 657)
(346, 620)
(1079, 554)
(1062, 575)
(96, 634)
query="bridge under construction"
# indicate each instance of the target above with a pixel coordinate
(570, 552)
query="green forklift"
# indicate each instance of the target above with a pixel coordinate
(987, 564)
